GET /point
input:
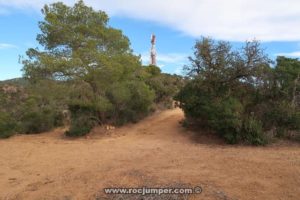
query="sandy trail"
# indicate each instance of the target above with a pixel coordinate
(156, 151)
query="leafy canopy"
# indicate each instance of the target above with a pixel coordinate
(81, 50)
(78, 43)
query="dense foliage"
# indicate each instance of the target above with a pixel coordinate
(81, 48)
(85, 68)
(31, 108)
(238, 94)
(165, 86)
(87, 75)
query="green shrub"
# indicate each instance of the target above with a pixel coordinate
(131, 101)
(59, 119)
(224, 115)
(38, 114)
(83, 119)
(280, 132)
(165, 86)
(80, 126)
(124, 101)
(252, 132)
(7, 126)
(294, 121)
(38, 121)
(283, 117)
(226, 119)
(226, 86)
(221, 115)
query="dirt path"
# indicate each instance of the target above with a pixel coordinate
(156, 151)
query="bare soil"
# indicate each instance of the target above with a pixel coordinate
(154, 152)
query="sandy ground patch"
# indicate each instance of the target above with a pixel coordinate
(154, 152)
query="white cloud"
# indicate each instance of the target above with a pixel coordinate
(7, 46)
(290, 54)
(166, 59)
(172, 58)
(169, 62)
(236, 20)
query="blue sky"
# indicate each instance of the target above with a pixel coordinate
(177, 24)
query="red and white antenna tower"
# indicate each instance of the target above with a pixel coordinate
(153, 50)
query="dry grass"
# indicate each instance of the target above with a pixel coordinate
(155, 152)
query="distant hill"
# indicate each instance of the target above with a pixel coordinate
(15, 81)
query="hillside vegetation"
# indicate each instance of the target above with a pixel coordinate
(86, 75)
(85, 68)
(239, 95)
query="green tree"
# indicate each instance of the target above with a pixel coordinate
(94, 59)
(79, 44)
(284, 100)
(165, 86)
(287, 72)
(223, 88)
(7, 125)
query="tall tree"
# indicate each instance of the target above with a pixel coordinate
(224, 87)
(79, 47)
(288, 79)
(78, 43)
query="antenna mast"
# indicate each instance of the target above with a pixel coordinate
(153, 50)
